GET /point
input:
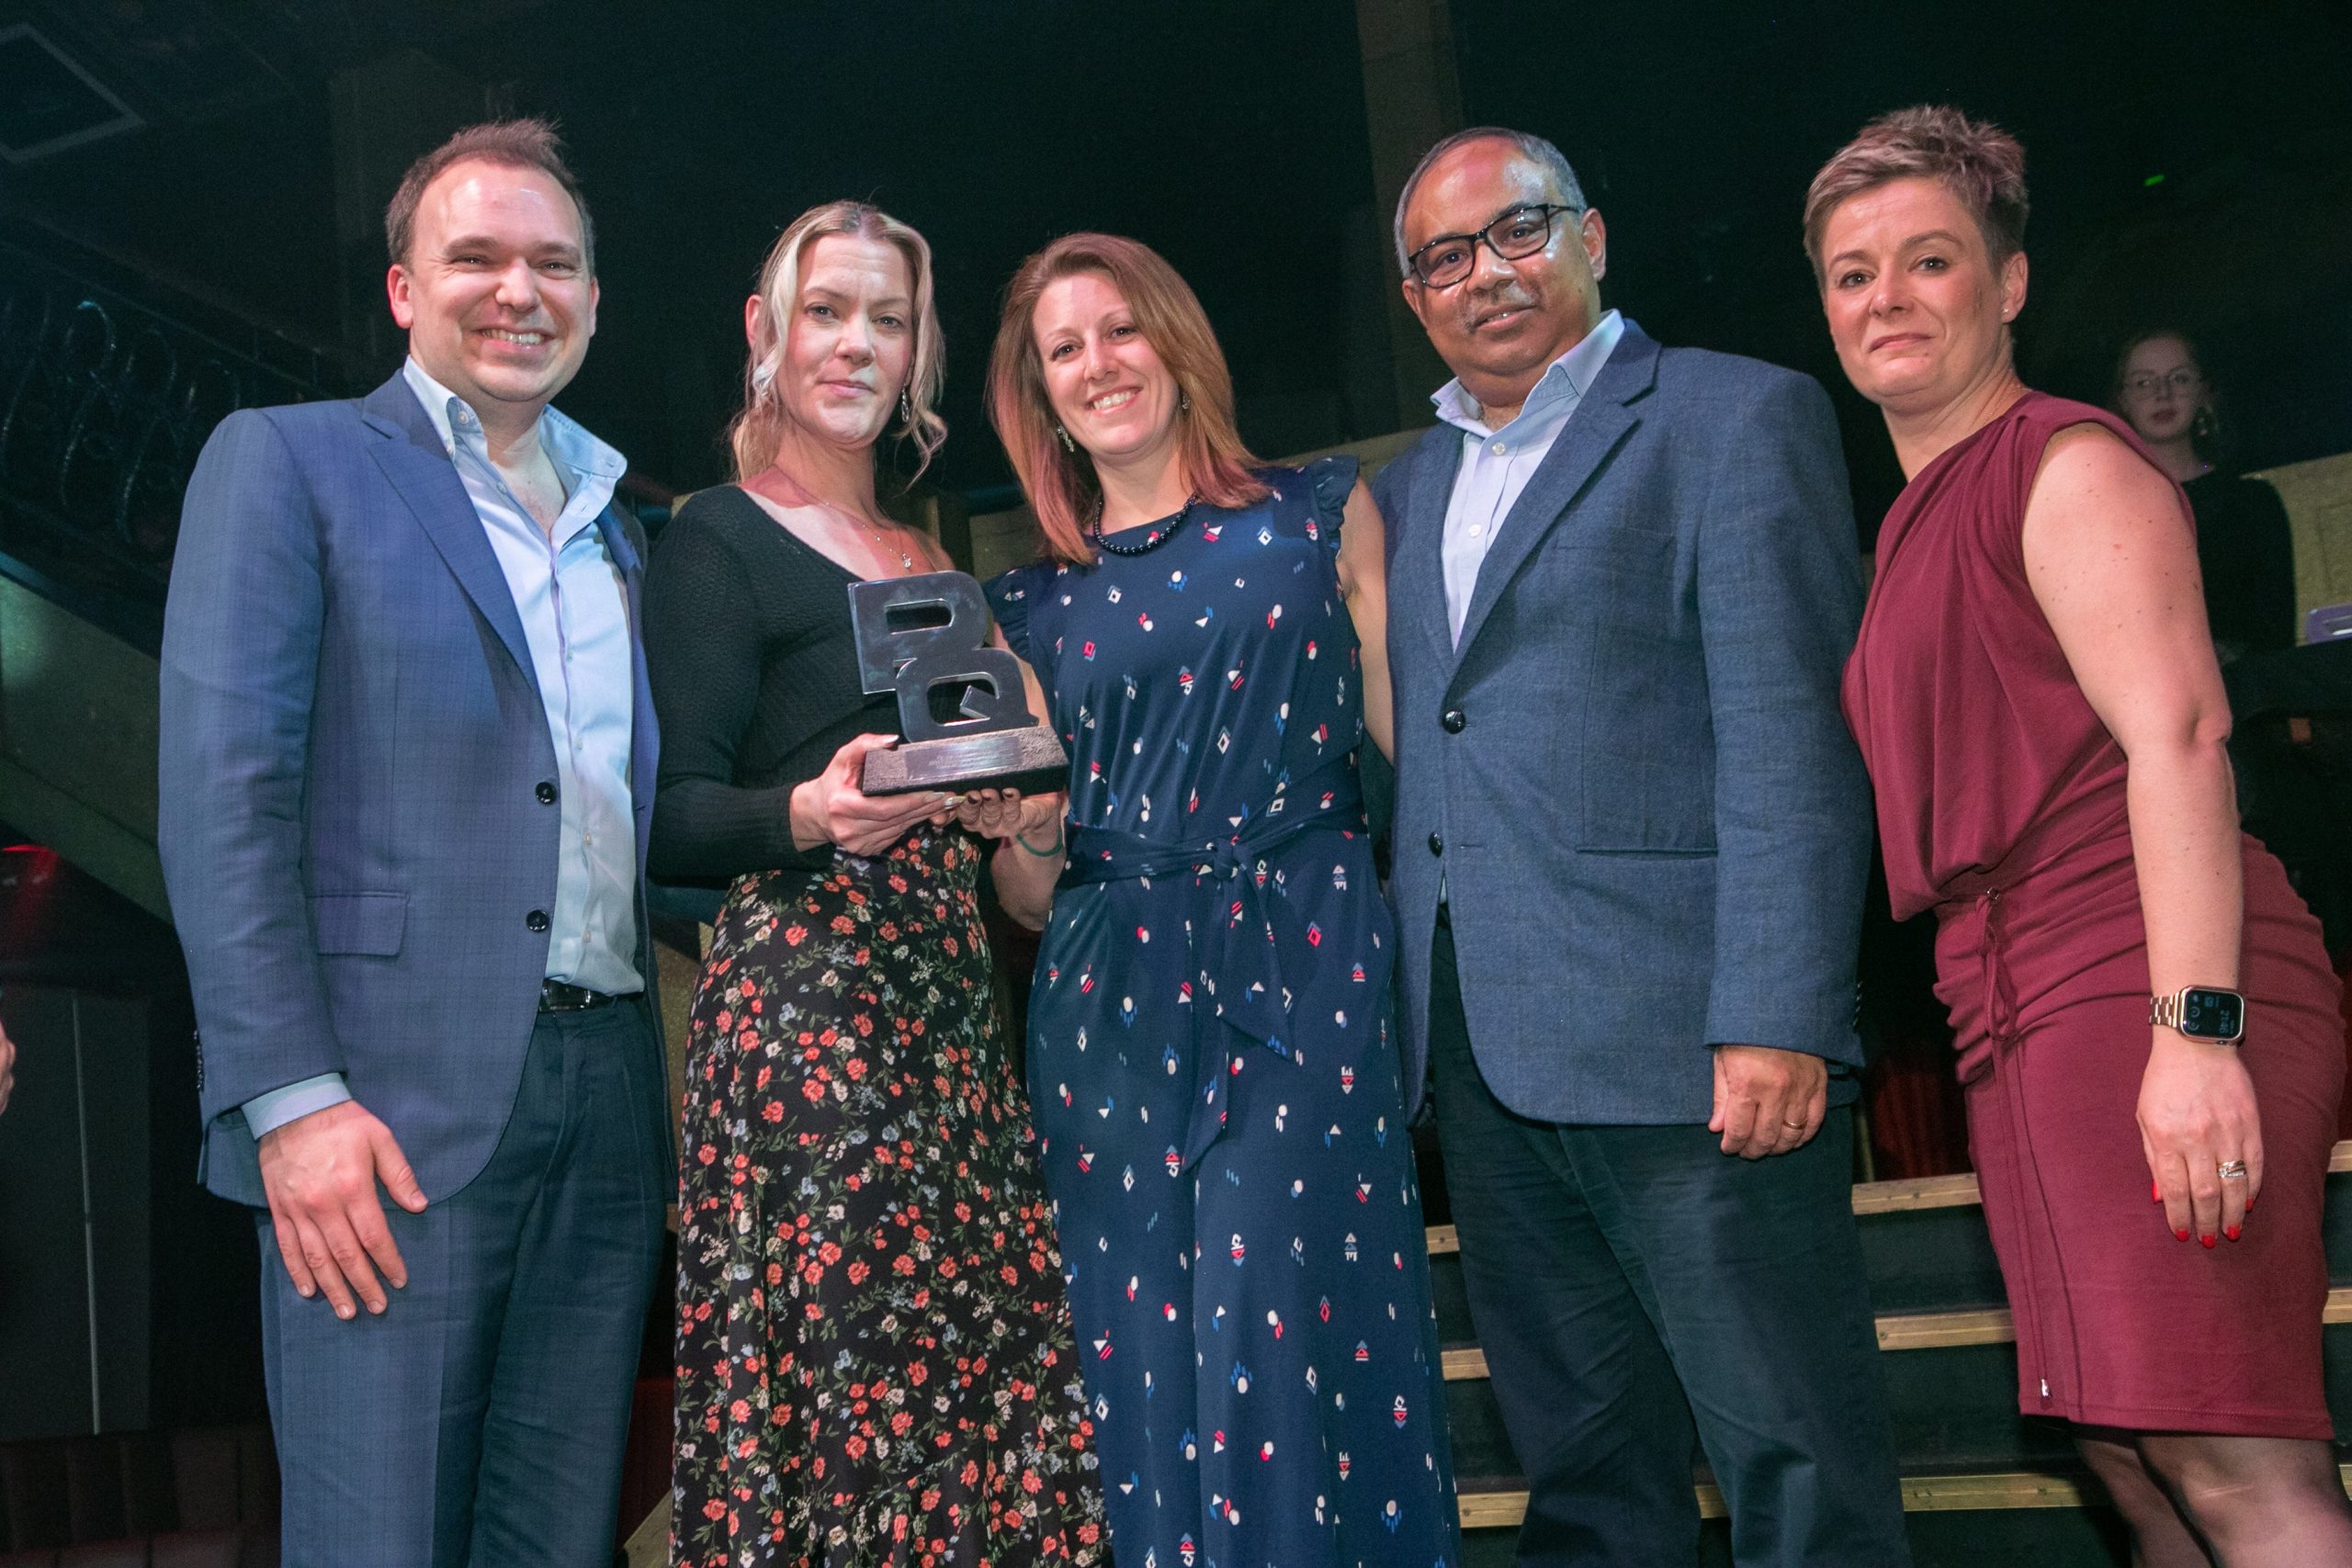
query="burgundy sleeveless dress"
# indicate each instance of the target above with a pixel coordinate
(2001, 807)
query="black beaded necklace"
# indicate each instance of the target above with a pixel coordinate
(1160, 534)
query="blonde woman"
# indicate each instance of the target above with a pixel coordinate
(875, 1358)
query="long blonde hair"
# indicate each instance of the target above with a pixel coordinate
(1060, 483)
(753, 433)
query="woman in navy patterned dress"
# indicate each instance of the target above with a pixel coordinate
(1216, 1087)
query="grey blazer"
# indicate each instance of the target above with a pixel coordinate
(1633, 775)
(353, 827)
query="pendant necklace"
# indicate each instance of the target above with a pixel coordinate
(1160, 533)
(798, 496)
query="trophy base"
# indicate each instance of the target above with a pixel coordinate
(1030, 760)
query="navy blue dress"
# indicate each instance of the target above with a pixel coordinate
(1215, 1085)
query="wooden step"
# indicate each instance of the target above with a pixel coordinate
(1497, 1509)
(1896, 1197)
(1902, 1331)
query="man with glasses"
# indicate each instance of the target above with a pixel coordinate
(1630, 839)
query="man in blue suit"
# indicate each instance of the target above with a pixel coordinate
(1631, 838)
(408, 759)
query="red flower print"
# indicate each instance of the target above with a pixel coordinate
(890, 1250)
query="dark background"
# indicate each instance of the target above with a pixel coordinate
(2189, 165)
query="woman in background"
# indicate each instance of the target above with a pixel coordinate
(874, 1360)
(1219, 1107)
(2037, 701)
(2244, 549)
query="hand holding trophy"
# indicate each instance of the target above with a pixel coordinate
(924, 636)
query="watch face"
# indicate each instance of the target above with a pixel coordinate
(2213, 1015)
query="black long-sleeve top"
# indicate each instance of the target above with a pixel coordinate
(754, 675)
(2246, 549)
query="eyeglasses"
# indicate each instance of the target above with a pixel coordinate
(2147, 384)
(1448, 259)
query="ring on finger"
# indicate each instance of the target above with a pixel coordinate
(2233, 1170)
(1793, 1126)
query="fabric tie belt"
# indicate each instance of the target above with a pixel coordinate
(2000, 996)
(1229, 941)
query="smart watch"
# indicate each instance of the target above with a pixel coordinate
(2201, 1012)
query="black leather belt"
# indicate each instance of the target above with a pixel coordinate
(556, 996)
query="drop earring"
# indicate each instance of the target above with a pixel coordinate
(1183, 402)
(906, 409)
(1067, 445)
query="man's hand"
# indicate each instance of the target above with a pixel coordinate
(1767, 1101)
(319, 1172)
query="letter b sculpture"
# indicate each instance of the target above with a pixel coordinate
(925, 635)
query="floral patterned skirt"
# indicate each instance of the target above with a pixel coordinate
(875, 1356)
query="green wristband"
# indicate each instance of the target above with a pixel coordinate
(1050, 852)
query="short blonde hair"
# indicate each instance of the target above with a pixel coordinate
(756, 428)
(1060, 483)
(1980, 163)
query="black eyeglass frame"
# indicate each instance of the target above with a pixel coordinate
(1551, 211)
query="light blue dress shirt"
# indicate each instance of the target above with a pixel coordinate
(1497, 464)
(574, 609)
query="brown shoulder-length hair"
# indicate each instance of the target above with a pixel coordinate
(2208, 433)
(758, 426)
(1061, 484)
(1980, 163)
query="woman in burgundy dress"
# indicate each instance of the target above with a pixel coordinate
(2036, 697)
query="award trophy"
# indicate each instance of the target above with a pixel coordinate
(925, 637)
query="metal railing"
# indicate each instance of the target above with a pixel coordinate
(105, 404)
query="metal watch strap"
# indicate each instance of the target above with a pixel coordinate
(2164, 1013)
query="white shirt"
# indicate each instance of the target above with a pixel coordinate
(575, 619)
(1497, 464)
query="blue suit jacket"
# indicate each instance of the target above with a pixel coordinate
(352, 747)
(1654, 826)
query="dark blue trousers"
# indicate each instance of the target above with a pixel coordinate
(480, 1420)
(1637, 1291)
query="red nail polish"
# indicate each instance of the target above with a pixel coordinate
(2206, 1239)
(2180, 1235)
(2155, 1194)
(2249, 1205)
(2231, 1231)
